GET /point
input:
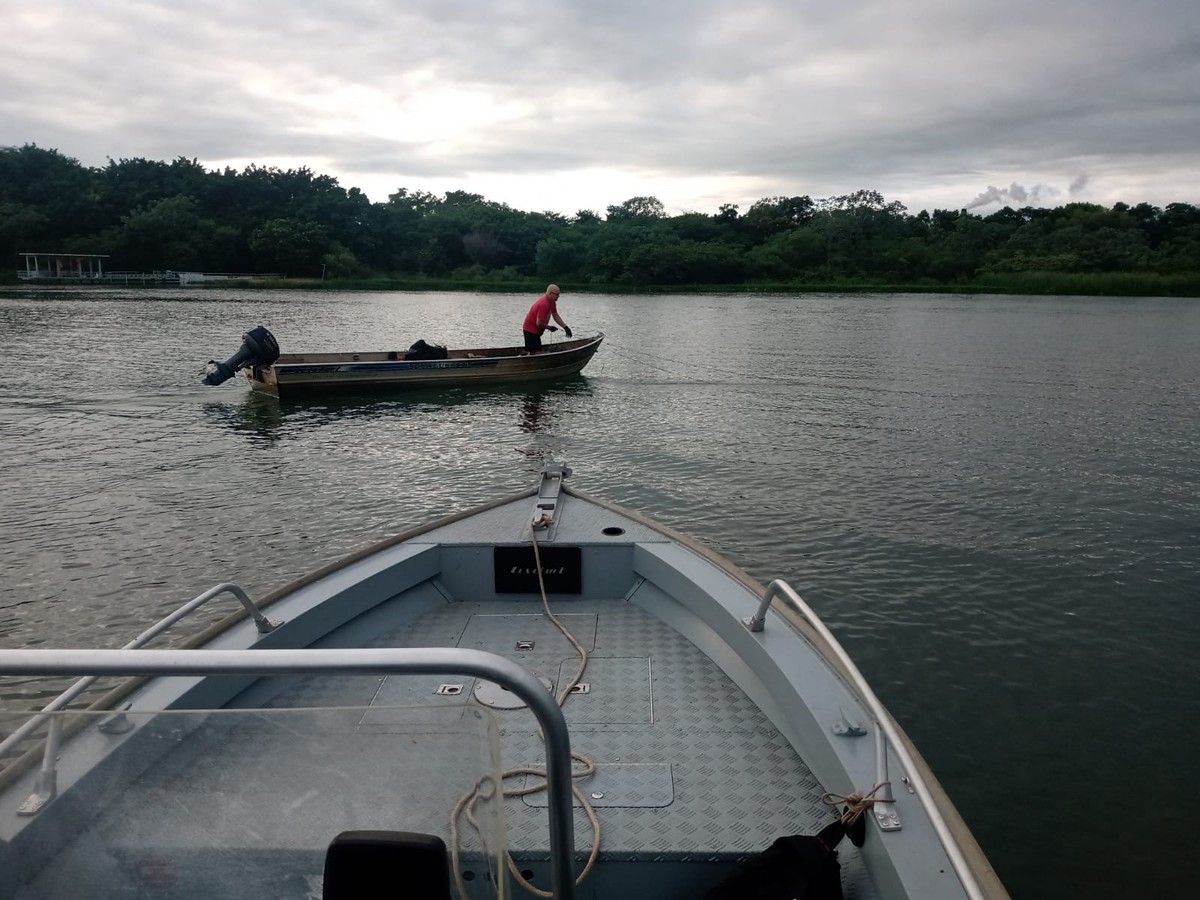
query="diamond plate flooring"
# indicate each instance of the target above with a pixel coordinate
(724, 783)
(689, 771)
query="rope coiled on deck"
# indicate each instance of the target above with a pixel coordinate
(485, 789)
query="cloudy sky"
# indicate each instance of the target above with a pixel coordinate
(565, 105)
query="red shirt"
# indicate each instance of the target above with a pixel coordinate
(543, 307)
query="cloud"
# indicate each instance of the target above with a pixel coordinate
(696, 102)
(1017, 195)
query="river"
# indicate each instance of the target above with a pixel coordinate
(993, 501)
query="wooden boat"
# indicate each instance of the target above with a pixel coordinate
(293, 374)
(355, 725)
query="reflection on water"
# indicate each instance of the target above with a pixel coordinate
(265, 419)
(531, 414)
(540, 414)
(257, 415)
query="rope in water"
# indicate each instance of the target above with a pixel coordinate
(643, 359)
(485, 788)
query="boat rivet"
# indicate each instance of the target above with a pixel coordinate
(597, 795)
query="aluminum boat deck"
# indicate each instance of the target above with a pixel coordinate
(689, 770)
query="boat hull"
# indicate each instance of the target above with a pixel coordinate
(710, 738)
(297, 374)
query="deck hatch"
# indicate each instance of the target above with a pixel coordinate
(499, 633)
(618, 691)
(406, 700)
(630, 785)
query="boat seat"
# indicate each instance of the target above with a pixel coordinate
(366, 865)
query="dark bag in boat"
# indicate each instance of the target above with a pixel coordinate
(802, 867)
(422, 350)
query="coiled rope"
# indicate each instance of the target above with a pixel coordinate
(855, 803)
(485, 788)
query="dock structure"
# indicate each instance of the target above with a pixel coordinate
(62, 266)
(89, 268)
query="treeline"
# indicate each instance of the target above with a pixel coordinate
(150, 215)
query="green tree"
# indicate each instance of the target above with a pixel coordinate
(156, 215)
(789, 255)
(775, 215)
(163, 234)
(340, 262)
(289, 246)
(50, 196)
(697, 227)
(561, 257)
(667, 260)
(637, 209)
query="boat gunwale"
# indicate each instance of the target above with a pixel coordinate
(372, 357)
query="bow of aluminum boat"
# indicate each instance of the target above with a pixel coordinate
(538, 637)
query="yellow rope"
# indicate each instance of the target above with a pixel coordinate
(466, 804)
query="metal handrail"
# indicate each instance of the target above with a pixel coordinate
(390, 661)
(884, 727)
(261, 622)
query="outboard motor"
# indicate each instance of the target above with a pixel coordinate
(259, 348)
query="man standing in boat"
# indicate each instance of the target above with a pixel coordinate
(537, 320)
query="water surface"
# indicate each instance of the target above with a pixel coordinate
(991, 500)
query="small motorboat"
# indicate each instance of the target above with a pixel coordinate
(421, 365)
(546, 693)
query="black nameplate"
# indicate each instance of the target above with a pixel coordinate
(516, 570)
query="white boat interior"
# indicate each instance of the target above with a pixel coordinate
(379, 693)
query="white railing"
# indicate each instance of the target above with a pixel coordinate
(886, 732)
(261, 622)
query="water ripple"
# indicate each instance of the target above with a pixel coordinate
(992, 501)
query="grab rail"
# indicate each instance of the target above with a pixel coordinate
(885, 732)
(419, 661)
(261, 622)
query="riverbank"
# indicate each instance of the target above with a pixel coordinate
(1061, 284)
